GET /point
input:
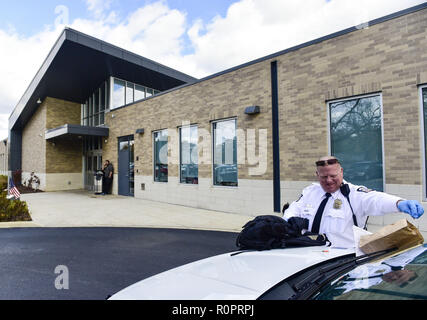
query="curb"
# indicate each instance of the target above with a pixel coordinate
(18, 224)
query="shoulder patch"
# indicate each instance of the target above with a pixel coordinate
(364, 189)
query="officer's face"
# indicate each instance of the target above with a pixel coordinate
(330, 177)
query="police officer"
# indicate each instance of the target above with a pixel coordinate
(333, 205)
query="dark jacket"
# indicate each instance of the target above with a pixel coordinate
(107, 170)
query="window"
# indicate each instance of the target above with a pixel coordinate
(129, 92)
(118, 93)
(161, 155)
(149, 92)
(103, 97)
(356, 139)
(225, 153)
(85, 114)
(90, 111)
(424, 117)
(94, 108)
(125, 92)
(139, 92)
(188, 158)
(401, 277)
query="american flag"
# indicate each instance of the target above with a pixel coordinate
(13, 190)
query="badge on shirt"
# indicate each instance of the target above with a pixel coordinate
(337, 204)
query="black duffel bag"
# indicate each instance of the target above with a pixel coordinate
(273, 232)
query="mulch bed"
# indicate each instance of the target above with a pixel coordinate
(24, 189)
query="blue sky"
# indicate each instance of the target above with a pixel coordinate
(30, 16)
(198, 37)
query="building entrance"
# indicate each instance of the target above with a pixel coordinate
(126, 166)
(92, 160)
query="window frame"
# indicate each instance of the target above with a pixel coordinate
(180, 152)
(111, 106)
(88, 114)
(213, 122)
(328, 112)
(423, 140)
(154, 154)
(111, 93)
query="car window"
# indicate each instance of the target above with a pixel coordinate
(400, 277)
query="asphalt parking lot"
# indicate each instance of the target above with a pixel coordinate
(92, 263)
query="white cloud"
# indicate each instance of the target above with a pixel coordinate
(20, 59)
(98, 7)
(255, 28)
(154, 31)
(249, 30)
(3, 125)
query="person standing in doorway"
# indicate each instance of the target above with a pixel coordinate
(108, 177)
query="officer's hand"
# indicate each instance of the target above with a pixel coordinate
(411, 207)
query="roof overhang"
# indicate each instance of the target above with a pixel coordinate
(70, 130)
(78, 64)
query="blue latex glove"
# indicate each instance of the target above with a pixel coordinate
(411, 207)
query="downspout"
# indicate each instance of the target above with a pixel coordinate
(276, 146)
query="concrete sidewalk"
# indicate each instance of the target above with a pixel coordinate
(83, 209)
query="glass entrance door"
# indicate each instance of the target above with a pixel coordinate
(92, 160)
(126, 173)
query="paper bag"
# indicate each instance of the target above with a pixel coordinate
(401, 234)
(357, 234)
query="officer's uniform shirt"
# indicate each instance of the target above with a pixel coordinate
(337, 219)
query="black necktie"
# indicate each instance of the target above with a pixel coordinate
(318, 217)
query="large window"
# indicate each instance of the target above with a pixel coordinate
(139, 92)
(125, 92)
(356, 139)
(225, 153)
(118, 93)
(424, 109)
(161, 155)
(94, 108)
(188, 139)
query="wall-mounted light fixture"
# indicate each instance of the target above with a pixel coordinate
(252, 110)
(140, 130)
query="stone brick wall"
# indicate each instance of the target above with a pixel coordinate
(33, 142)
(222, 97)
(60, 112)
(389, 58)
(63, 155)
(59, 156)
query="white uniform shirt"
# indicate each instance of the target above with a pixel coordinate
(337, 221)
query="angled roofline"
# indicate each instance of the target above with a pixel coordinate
(321, 39)
(96, 44)
(300, 46)
(100, 45)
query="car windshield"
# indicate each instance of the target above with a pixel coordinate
(308, 282)
(403, 276)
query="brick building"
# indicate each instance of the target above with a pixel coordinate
(242, 140)
(3, 157)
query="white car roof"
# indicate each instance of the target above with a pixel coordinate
(244, 276)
